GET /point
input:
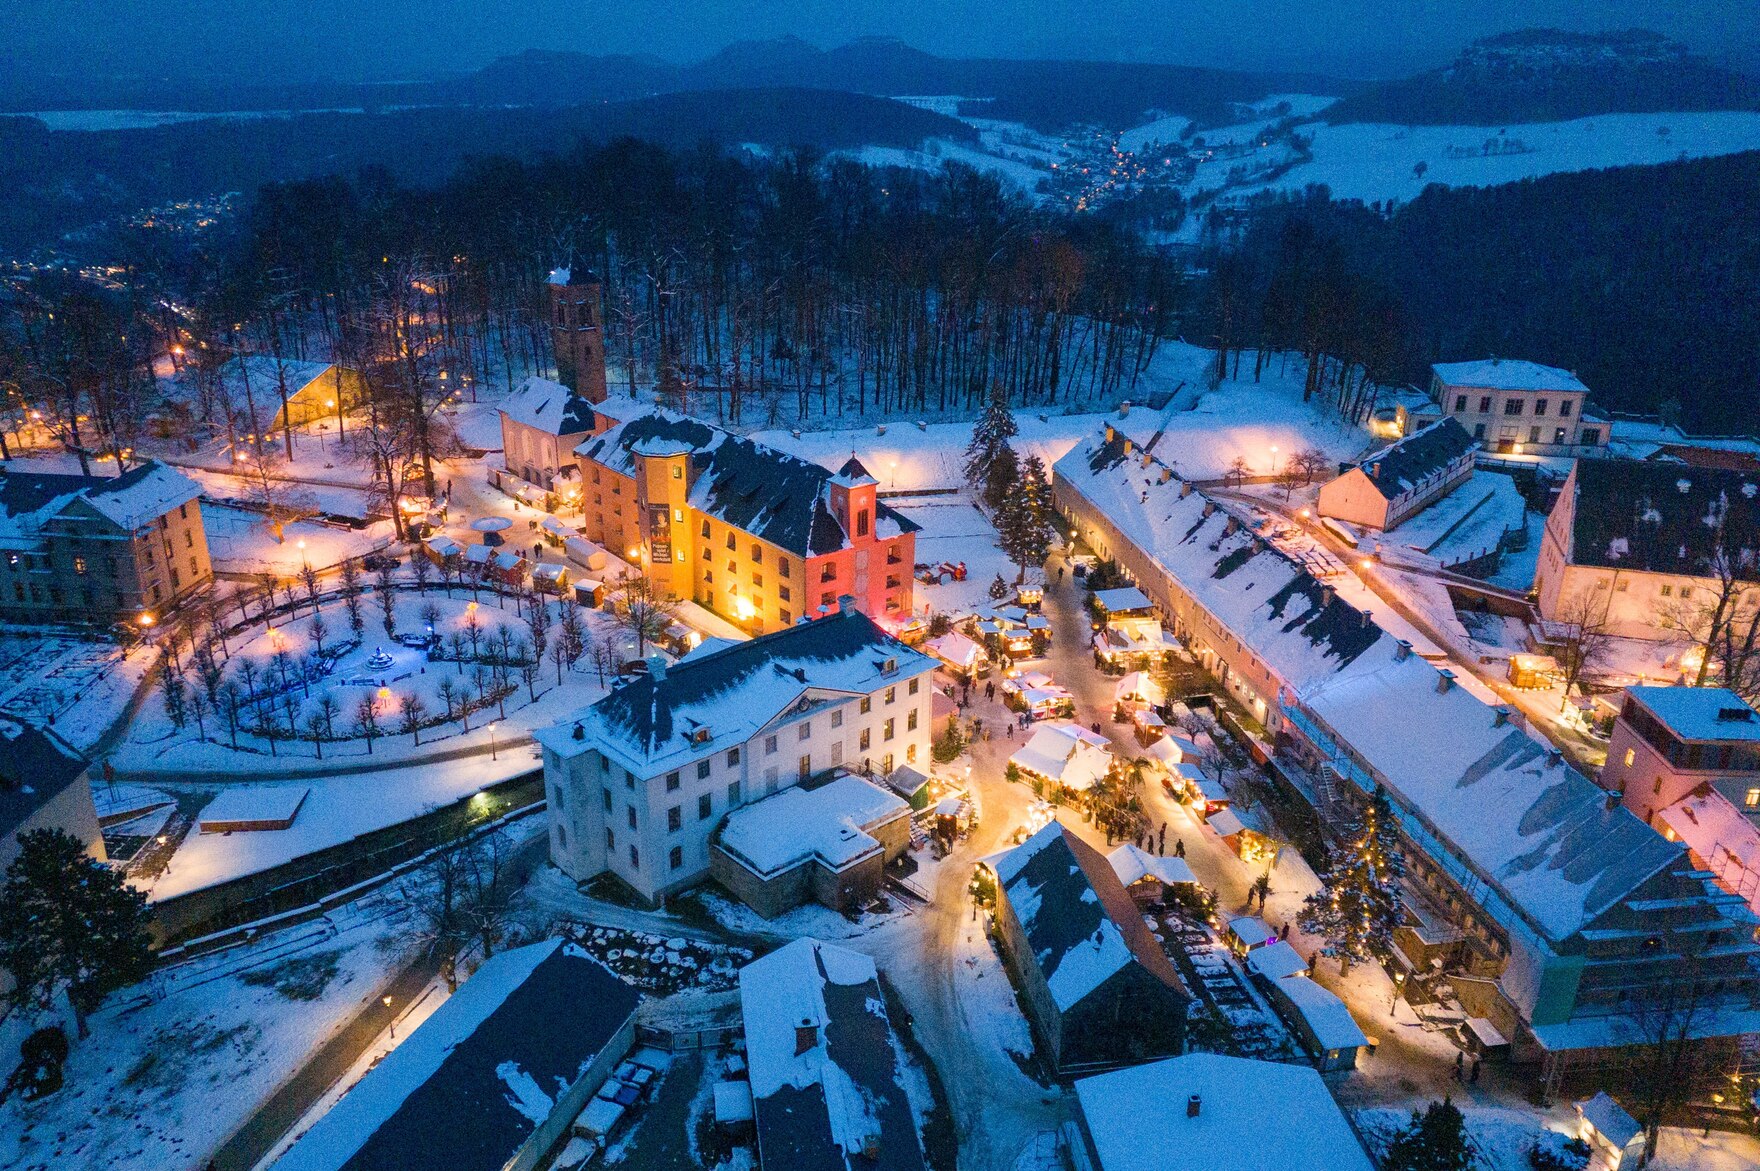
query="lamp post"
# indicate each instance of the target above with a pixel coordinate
(1274, 459)
(386, 1001)
(491, 741)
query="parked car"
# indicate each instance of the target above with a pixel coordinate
(420, 642)
(374, 562)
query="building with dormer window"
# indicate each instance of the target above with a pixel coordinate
(641, 781)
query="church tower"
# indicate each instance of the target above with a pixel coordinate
(577, 333)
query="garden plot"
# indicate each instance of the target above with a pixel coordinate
(311, 690)
(176, 1064)
(1254, 1028)
(661, 964)
(43, 675)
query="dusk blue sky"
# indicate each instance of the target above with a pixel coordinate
(278, 40)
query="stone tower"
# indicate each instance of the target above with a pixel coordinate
(577, 333)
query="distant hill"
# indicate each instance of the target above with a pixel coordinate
(1545, 75)
(1047, 94)
(59, 182)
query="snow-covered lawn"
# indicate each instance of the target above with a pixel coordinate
(1502, 1136)
(1469, 522)
(955, 531)
(359, 674)
(240, 541)
(173, 1067)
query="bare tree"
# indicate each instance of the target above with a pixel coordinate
(645, 610)
(1669, 1065)
(366, 721)
(410, 710)
(1721, 616)
(438, 894)
(490, 889)
(1588, 635)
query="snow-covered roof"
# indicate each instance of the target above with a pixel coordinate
(1140, 685)
(1535, 828)
(254, 803)
(1224, 821)
(653, 721)
(1616, 1125)
(1719, 833)
(444, 545)
(824, 1064)
(1293, 622)
(1252, 1116)
(1251, 930)
(1405, 465)
(1700, 713)
(36, 766)
(141, 495)
(484, 1071)
(254, 382)
(549, 407)
(1171, 750)
(559, 277)
(1328, 1020)
(1664, 518)
(1132, 864)
(955, 648)
(774, 496)
(1122, 600)
(1066, 753)
(828, 823)
(1275, 961)
(1081, 926)
(1507, 374)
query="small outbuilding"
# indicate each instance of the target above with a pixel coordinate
(1615, 1138)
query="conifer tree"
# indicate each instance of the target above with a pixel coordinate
(1435, 1140)
(1023, 521)
(990, 462)
(69, 921)
(1357, 908)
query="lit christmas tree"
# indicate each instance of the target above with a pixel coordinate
(1357, 909)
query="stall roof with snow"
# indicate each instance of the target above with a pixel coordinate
(828, 824)
(956, 650)
(1124, 600)
(252, 807)
(705, 703)
(1277, 960)
(481, 1074)
(1065, 754)
(774, 496)
(826, 1069)
(1251, 1116)
(1664, 518)
(1132, 864)
(1612, 1120)
(1079, 921)
(1328, 1021)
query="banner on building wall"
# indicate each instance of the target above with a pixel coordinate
(659, 534)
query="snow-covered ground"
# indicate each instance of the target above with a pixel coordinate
(174, 1066)
(1373, 161)
(954, 531)
(79, 682)
(1467, 523)
(240, 541)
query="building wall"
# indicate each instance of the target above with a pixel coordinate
(1536, 424)
(536, 455)
(1650, 782)
(1042, 1013)
(594, 792)
(86, 569)
(1354, 499)
(577, 337)
(1132, 1016)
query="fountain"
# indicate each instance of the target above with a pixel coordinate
(379, 660)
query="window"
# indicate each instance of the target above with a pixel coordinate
(912, 689)
(1631, 755)
(556, 799)
(705, 530)
(782, 594)
(1484, 404)
(629, 779)
(676, 858)
(1512, 406)
(862, 523)
(630, 814)
(1478, 430)
(784, 617)
(732, 545)
(732, 757)
(828, 572)
(893, 556)
(705, 807)
(863, 740)
(79, 566)
(769, 746)
(1752, 798)
(1667, 590)
(757, 554)
(677, 513)
(910, 754)
(806, 765)
(1591, 436)
(837, 718)
(1564, 409)
(674, 819)
(891, 692)
(1460, 404)
(757, 580)
(702, 770)
(605, 795)
(189, 539)
(561, 838)
(1686, 591)
(610, 839)
(635, 859)
(806, 730)
(910, 721)
(892, 581)
(867, 704)
(671, 782)
(1533, 434)
(886, 730)
(886, 764)
(733, 794)
(1539, 408)
(678, 474)
(826, 598)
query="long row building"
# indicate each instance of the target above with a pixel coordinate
(1580, 922)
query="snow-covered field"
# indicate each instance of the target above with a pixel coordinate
(174, 1066)
(1372, 161)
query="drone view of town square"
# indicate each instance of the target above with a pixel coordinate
(1028, 585)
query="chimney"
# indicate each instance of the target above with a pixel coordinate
(806, 1036)
(580, 733)
(846, 604)
(1166, 475)
(1146, 458)
(1327, 593)
(1209, 508)
(1185, 486)
(1193, 1104)
(1128, 446)
(1611, 801)
(1124, 408)
(1364, 618)
(1402, 650)
(1231, 527)
(1499, 716)
(1111, 433)
(657, 667)
(1444, 681)
(1554, 757)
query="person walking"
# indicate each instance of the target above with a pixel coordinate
(1460, 1064)
(1474, 1078)
(1283, 932)
(1011, 731)
(1179, 847)
(1162, 847)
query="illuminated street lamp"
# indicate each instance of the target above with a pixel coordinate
(491, 741)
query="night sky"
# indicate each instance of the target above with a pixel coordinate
(279, 40)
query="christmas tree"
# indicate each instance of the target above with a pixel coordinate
(990, 463)
(1357, 909)
(1435, 1140)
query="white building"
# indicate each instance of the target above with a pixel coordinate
(1518, 406)
(640, 781)
(541, 424)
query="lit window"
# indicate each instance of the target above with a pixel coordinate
(1631, 755)
(1752, 800)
